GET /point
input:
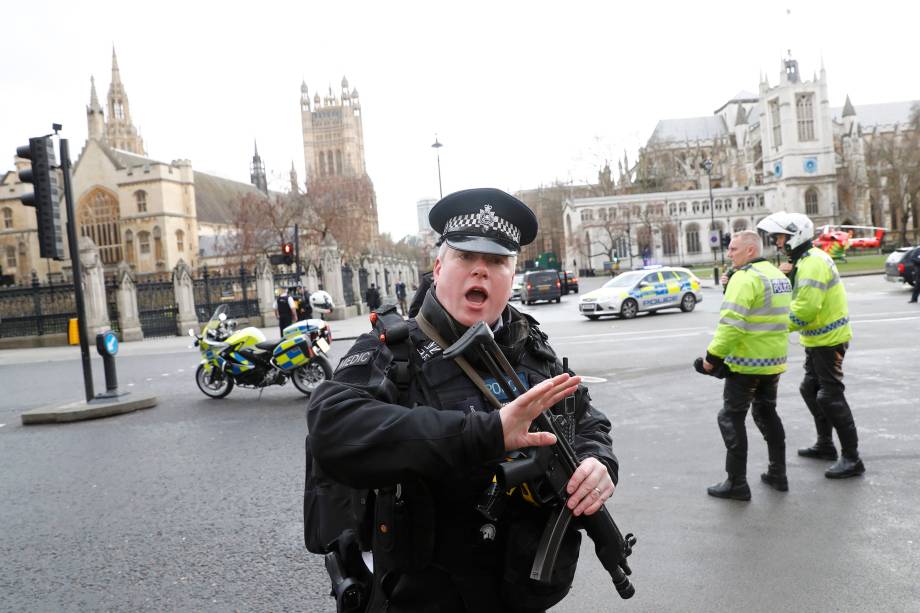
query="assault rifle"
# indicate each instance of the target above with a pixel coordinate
(552, 466)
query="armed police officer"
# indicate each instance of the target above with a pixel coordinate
(413, 435)
(749, 349)
(820, 314)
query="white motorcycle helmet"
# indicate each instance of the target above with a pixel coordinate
(798, 227)
(321, 302)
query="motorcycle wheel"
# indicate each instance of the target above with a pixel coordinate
(211, 388)
(307, 377)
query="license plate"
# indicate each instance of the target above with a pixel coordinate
(322, 345)
(543, 288)
(892, 278)
(588, 307)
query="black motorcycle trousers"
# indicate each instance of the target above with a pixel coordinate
(759, 393)
(822, 389)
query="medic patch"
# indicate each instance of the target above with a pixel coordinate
(781, 286)
(428, 350)
(356, 359)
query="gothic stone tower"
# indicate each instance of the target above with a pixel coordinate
(333, 149)
(798, 145)
(120, 133)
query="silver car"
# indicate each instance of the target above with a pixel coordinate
(650, 289)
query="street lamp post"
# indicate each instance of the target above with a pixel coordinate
(437, 146)
(707, 165)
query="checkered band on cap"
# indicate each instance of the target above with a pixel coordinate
(481, 222)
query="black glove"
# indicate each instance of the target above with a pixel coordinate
(718, 370)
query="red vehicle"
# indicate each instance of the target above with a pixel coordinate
(850, 237)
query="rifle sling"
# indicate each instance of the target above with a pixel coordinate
(464, 365)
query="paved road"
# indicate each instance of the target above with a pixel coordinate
(195, 504)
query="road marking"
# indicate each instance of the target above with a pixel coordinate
(561, 338)
(875, 321)
(181, 370)
(587, 379)
(130, 385)
(630, 339)
(1, 425)
(149, 378)
(165, 374)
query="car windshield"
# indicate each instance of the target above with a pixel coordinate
(624, 280)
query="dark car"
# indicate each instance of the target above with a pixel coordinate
(541, 285)
(569, 282)
(898, 267)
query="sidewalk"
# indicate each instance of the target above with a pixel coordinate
(343, 330)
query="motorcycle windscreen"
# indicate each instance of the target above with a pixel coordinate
(215, 319)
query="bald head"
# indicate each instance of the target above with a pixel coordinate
(745, 246)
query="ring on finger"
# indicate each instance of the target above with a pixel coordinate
(597, 492)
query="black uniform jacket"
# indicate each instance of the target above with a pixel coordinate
(446, 441)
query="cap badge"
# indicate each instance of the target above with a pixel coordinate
(487, 218)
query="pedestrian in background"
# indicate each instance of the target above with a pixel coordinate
(915, 263)
(285, 309)
(372, 297)
(750, 347)
(401, 296)
(820, 314)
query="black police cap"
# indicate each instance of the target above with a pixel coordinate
(484, 220)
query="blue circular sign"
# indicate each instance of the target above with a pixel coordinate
(110, 342)
(811, 165)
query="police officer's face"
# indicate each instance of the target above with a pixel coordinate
(473, 286)
(741, 252)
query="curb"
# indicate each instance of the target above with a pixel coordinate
(83, 410)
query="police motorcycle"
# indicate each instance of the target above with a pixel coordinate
(247, 359)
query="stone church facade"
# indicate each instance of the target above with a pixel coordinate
(783, 148)
(149, 213)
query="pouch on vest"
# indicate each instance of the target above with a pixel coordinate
(329, 509)
(403, 529)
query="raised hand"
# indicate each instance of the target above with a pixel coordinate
(517, 416)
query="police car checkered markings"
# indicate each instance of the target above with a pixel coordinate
(355, 360)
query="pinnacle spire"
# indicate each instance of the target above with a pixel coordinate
(848, 110)
(116, 76)
(255, 146)
(93, 98)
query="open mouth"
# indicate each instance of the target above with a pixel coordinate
(477, 295)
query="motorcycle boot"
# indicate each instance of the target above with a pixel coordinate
(734, 488)
(775, 476)
(823, 449)
(845, 467)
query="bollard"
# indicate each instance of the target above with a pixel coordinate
(715, 276)
(107, 346)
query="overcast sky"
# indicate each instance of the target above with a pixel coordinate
(520, 93)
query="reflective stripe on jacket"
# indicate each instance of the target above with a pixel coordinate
(752, 337)
(819, 302)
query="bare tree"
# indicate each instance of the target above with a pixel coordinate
(893, 162)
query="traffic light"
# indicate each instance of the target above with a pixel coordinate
(287, 251)
(47, 195)
(726, 239)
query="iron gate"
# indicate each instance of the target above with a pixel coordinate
(238, 292)
(36, 309)
(156, 306)
(348, 289)
(111, 299)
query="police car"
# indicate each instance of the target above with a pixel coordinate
(650, 289)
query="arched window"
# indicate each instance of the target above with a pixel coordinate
(322, 163)
(693, 237)
(330, 164)
(718, 205)
(739, 225)
(11, 256)
(157, 244)
(728, 204)
(672, 209)
(682, 209)
(602, 214)
(129, 247)
(669, 239)
(695, 207)
(7, 218)
(811, 201)
(180, 240)
(143, 242)
(98, 217)
(622, 247)
(587, 215)
(611, 213)
(140, 196)
(338, 162)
